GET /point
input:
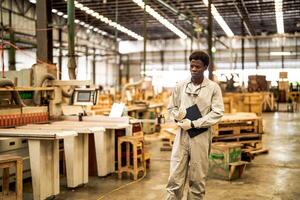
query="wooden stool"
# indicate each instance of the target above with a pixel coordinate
(137, 143)
(240, 166)
(7, 161)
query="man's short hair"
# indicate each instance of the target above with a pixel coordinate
(200, 55)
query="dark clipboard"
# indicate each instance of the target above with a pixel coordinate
(193, 113)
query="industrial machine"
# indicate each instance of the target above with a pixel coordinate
(35, 96)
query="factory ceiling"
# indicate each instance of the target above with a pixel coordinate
(189, 16)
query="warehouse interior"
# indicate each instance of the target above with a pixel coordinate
(85, 86)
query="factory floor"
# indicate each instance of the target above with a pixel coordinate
(270, 176)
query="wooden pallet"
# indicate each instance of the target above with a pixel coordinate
(237, 138)
(238, 123)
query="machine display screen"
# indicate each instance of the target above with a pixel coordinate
(84, 96)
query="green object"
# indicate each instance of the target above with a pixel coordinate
(26, 94)
(215, 156)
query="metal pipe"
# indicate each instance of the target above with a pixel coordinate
(256, 54)
(145, 39)
(209, 40)
(94, 67)
(60, 54)
(243, 45)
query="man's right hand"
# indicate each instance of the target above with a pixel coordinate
(179, 114)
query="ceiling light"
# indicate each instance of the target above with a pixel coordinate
(281, 53)
(219, 19)
(107, 21)
(78, 5)
(90, 12)
(279, 16)
(32, 1)
(54, 10)
(60, 13)
(84, 8)
(76, 21)
(65, 16)
(161, 19)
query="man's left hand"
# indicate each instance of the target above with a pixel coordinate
(185, 124)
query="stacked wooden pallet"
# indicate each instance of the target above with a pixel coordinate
(241, 128)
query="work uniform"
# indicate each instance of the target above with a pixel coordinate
(190, 155)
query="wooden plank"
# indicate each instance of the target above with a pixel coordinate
(27, 89)
(44, 164)
(260, 151)
(5, 181)
(106, 125)
(251, 135)
(36, 134)
(19, 179)
(76, 154)
(71, 82)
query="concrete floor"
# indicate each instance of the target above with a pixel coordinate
(275, 175)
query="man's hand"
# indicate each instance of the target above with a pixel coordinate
(180, 114)
(185, 124)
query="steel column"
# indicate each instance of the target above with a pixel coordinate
(71, 40)
(44, 31)
(209, 40)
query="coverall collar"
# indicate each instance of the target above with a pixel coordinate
(204, 83)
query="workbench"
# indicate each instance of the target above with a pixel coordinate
(44, 157)
(104, 142)
(75, 149)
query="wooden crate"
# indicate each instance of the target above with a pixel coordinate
(228, 104)
(223, 159)
(246, 102)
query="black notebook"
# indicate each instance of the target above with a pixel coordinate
(193, 113)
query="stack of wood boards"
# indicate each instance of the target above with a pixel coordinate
(241, 128)
(243, 102)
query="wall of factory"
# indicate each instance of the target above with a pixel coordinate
(166, 60)
(86, 42)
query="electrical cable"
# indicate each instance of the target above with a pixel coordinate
(17, 48)
(123, 186)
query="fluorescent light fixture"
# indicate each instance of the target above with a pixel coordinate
(107, 21)
(279, 16)
(60, 13)
(281, 53)
(219, 19)
(32, 1)
(161, 19)
(77, 21)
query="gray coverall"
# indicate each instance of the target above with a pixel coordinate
(190, 155)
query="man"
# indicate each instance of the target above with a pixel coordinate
(190, 152)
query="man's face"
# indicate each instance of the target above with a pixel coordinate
(197, 68)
